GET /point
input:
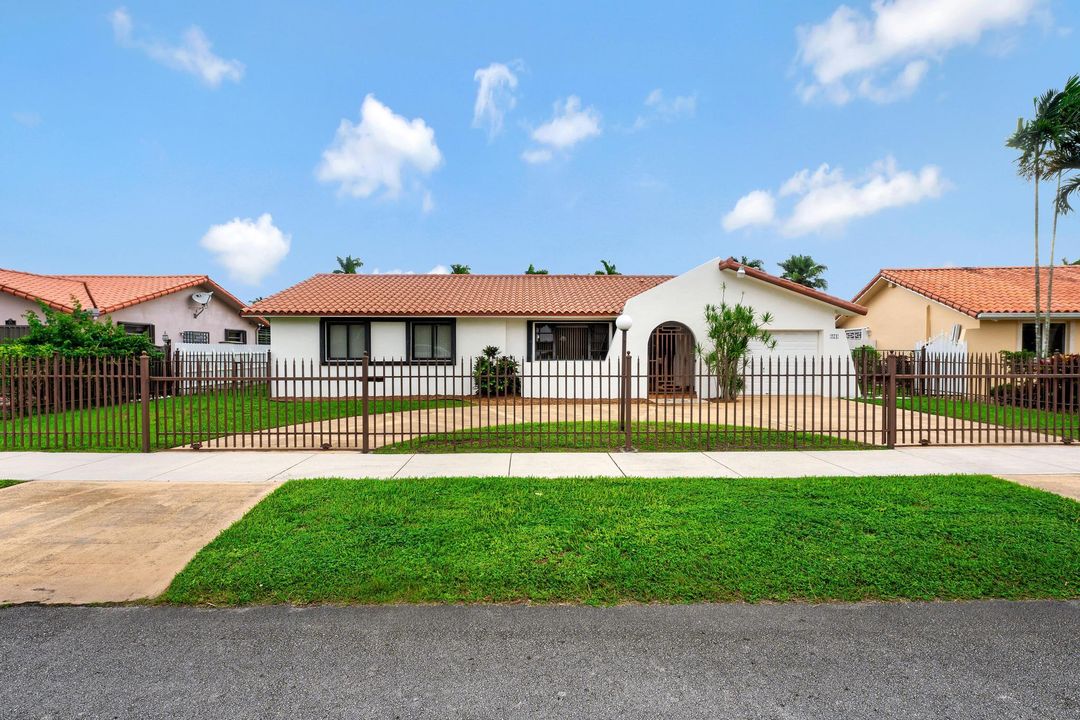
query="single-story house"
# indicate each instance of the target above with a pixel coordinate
(331, 320)
(190, 312)
(989, 309)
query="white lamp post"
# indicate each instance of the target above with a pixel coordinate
(624, 322)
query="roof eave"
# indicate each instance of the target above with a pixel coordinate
(845, 307)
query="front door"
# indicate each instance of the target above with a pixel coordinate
(671, 360)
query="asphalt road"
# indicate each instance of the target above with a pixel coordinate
(904, 660)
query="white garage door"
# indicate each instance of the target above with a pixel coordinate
(798, 343)
(780, 372)
(791, 344)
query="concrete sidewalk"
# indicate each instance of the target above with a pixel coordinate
(270, 466)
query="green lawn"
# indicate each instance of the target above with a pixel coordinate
(1043, 421)
(8, 483)
(602, 541)
(181, 420)
(605, 436)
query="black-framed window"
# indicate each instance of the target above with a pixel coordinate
(238, 337)
(570, 340)
(262, 335)
(1057, 337)
(195, 337)
(138, 329)
(345, 341)
(431, 340)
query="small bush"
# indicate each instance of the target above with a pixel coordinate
(75, 334)
(496, 375)
(1017, 359)
(865, 354)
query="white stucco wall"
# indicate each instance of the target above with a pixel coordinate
(804, 327)
(683, 299)
(15, 308)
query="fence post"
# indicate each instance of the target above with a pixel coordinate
(364, 369)
(144, 400)
(627, 423)
(890, 401)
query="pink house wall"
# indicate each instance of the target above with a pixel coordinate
(171, 314)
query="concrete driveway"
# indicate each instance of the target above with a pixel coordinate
(82, 542)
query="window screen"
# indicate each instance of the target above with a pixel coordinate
(345, 340)
(571, 341)
(432, 341)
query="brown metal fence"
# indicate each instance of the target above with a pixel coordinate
(13, 332)
(255, 401)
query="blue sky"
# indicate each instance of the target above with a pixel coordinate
(208, 137)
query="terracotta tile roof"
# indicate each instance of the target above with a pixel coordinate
(977, 290)
(851, 307)
(107, 293)
(458, 295)
(56, 292)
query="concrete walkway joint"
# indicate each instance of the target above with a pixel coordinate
(276, 466)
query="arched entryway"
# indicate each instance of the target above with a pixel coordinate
(671, 360)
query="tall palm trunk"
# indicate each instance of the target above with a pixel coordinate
(1050, 277)
(1038, 286)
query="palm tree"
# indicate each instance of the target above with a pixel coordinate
(534, 271)
(607, 269)
(348, 265)
(456, 269)
(1036, 139)
(755, 263)
(804, 270)
(1065, 158)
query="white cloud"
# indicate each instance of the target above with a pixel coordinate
(193, 55)
(670, 109)
(884, 58)
(375, 153)
(570, 125)
(827, 200)
(249, 249)
(660, 107)
(755, 208)
(494, 96)
(536, 157)
(26, 118)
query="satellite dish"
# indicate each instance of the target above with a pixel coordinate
(201, 300)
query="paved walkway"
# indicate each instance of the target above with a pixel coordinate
(840, 417)
(275, 466)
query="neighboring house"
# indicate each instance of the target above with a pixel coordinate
(161, 306)
(446, 320)
(990, 309)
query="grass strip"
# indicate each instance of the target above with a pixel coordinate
(605, 436)
(178, 420)
(604, 541)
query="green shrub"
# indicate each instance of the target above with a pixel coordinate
(731, 329)
(865, 356)
(496, 375)
(1017, 359)
(75, 334)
